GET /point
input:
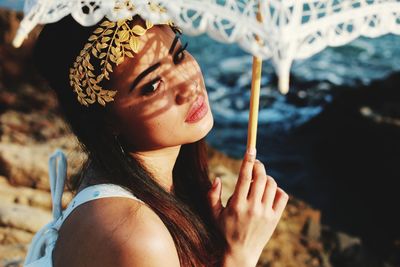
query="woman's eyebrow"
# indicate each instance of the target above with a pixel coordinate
(143, 74)
(155, 66)
(174, 43)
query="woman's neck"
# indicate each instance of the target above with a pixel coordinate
(160, 163)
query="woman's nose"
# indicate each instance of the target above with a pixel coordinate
(187, 92)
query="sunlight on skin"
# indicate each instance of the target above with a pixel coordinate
(160, 116)
(152, 127)
(178, 77)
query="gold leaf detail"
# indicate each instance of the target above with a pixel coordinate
(109, 68)
(101, 101)
(87, 46)
(96, 87)
(105, 39)
(119, 60)
(111, 42)
(113, 50)
(120, 23)
(129, 54)
(107, 98)
(138, 30)
(100, 78)
(94, 52)
(98, 47)
(108, 32)
(134, 44)
(123, 36)
(111, 93)
(149, 24)
(92, 38)
(98, 30)
(105, 24)
(113, 59)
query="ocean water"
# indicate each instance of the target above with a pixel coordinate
(14, 4)
(227, 73)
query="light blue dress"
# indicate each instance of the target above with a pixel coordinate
(42, 245)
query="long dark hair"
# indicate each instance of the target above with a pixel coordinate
(187, 214)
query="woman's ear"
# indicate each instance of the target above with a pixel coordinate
(112, 124)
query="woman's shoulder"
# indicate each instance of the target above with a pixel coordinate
(114, 232)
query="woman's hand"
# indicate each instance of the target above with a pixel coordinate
(252, 212)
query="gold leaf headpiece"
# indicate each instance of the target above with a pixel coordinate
(109, 43)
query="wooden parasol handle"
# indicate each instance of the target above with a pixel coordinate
(254, 103)
(254, 98)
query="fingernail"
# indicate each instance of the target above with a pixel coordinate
(216, 181)
(251, 151)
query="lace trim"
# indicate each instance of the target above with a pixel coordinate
(290, 30)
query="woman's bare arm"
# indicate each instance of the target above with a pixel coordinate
(145, 241)
(115, 232)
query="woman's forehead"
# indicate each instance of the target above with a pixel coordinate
(154, 46)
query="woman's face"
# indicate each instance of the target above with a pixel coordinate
(158, 91)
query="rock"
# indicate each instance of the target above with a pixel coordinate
(349, 252)
(351, 154)
(28, 165)
(27, 98)
(29, 196)
(287, 246)
(312, 226)
(12, 255)
(344, 241)
(34, 127)
(9, 23)
(15, 64)
(10, 236)
(23, 217)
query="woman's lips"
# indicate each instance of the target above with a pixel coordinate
(198, 110)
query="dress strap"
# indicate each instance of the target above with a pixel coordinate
(43, 242)
(58, 174)
(94, 192)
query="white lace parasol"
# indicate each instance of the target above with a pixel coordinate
(291, 29)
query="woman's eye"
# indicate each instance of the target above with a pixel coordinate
(180, 55)
(151, 87)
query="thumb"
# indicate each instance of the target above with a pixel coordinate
(214, 197)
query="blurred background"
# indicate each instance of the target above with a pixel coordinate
(333, 143)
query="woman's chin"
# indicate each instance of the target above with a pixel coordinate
(208, 125)
(202, 127)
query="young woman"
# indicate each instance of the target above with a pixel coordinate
(136, 100)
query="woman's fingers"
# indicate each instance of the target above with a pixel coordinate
(245, 176)
(269, 193)
(280, 202)
(259, 180)
(214, 197)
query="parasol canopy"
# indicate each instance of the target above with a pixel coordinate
(289, 30)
